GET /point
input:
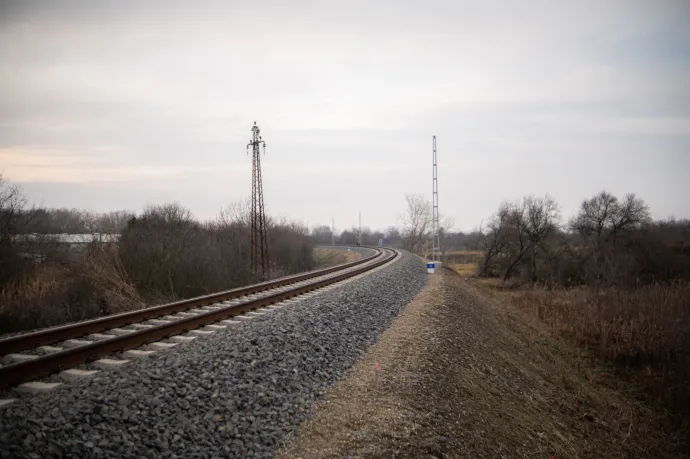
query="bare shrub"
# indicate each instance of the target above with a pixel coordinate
(163, 254)
(169, 255)
(291, 247)
(59, 292)
(158, 250)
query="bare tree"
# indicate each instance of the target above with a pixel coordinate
(517, 230)
(630, 214)
(603, 217)
(516, 237)
(493, 238)
(322, 234)
(416, 222)
(348, 237)
(111, 222)
(612, 243)
(155, 245)
(444, 227)
(534, 220)
(237, 212)
(14, 219)
(12, 209)
(602, 221)
(393, 237)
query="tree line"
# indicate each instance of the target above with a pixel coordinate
(163, 254)
(610, 241)
(610, 279)
(413, 233)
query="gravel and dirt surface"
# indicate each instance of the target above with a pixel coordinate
(460, 375)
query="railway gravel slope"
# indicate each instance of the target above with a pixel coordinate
(462, 375)
(236, 393)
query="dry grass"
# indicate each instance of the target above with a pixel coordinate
(465, 269)
(463, 262)
(463, 376)
(465, 252)
(324, 258)
(55, 294)
(462, 257)
(644, 333)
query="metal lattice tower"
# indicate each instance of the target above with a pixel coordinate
(435, 229)
(259, 242)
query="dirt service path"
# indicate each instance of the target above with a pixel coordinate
(460, 376)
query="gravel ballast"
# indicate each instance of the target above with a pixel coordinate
(236, 393)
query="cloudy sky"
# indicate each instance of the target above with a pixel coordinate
(119, 104)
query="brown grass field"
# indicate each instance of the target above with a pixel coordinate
(641, 334)
(463, 262)
(644, 334)
(324, 258)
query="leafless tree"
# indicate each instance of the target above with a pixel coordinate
(392, 237)
(111, 222)
(610, 243)
(348, 237)
(321, 234)
(155, 245)
(12, 209)
(603, 217)
(14, 217)
(532, 221)
(238, 212)
(444, 227)
(416, 222)
(493, 237)
(602, 222)
(515, 231)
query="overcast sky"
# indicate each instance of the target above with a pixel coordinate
(119, 104)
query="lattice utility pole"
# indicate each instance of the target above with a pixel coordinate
(435, 230)
(259, 243)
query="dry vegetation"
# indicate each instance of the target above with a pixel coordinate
(611, 281)
(56, 292)
(323, 257)
(163, 254)
(642, 332)
(461, 375)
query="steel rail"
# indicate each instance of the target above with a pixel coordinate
(54, 335)
(39, 367)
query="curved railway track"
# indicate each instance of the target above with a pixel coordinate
(35, 356)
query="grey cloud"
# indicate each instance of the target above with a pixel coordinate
(526, 97)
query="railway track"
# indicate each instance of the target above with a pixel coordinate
(36, 355)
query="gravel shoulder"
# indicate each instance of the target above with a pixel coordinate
(237, 393)
(463, 376)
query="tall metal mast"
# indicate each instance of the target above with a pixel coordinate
(435, 236)
(259, 242)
